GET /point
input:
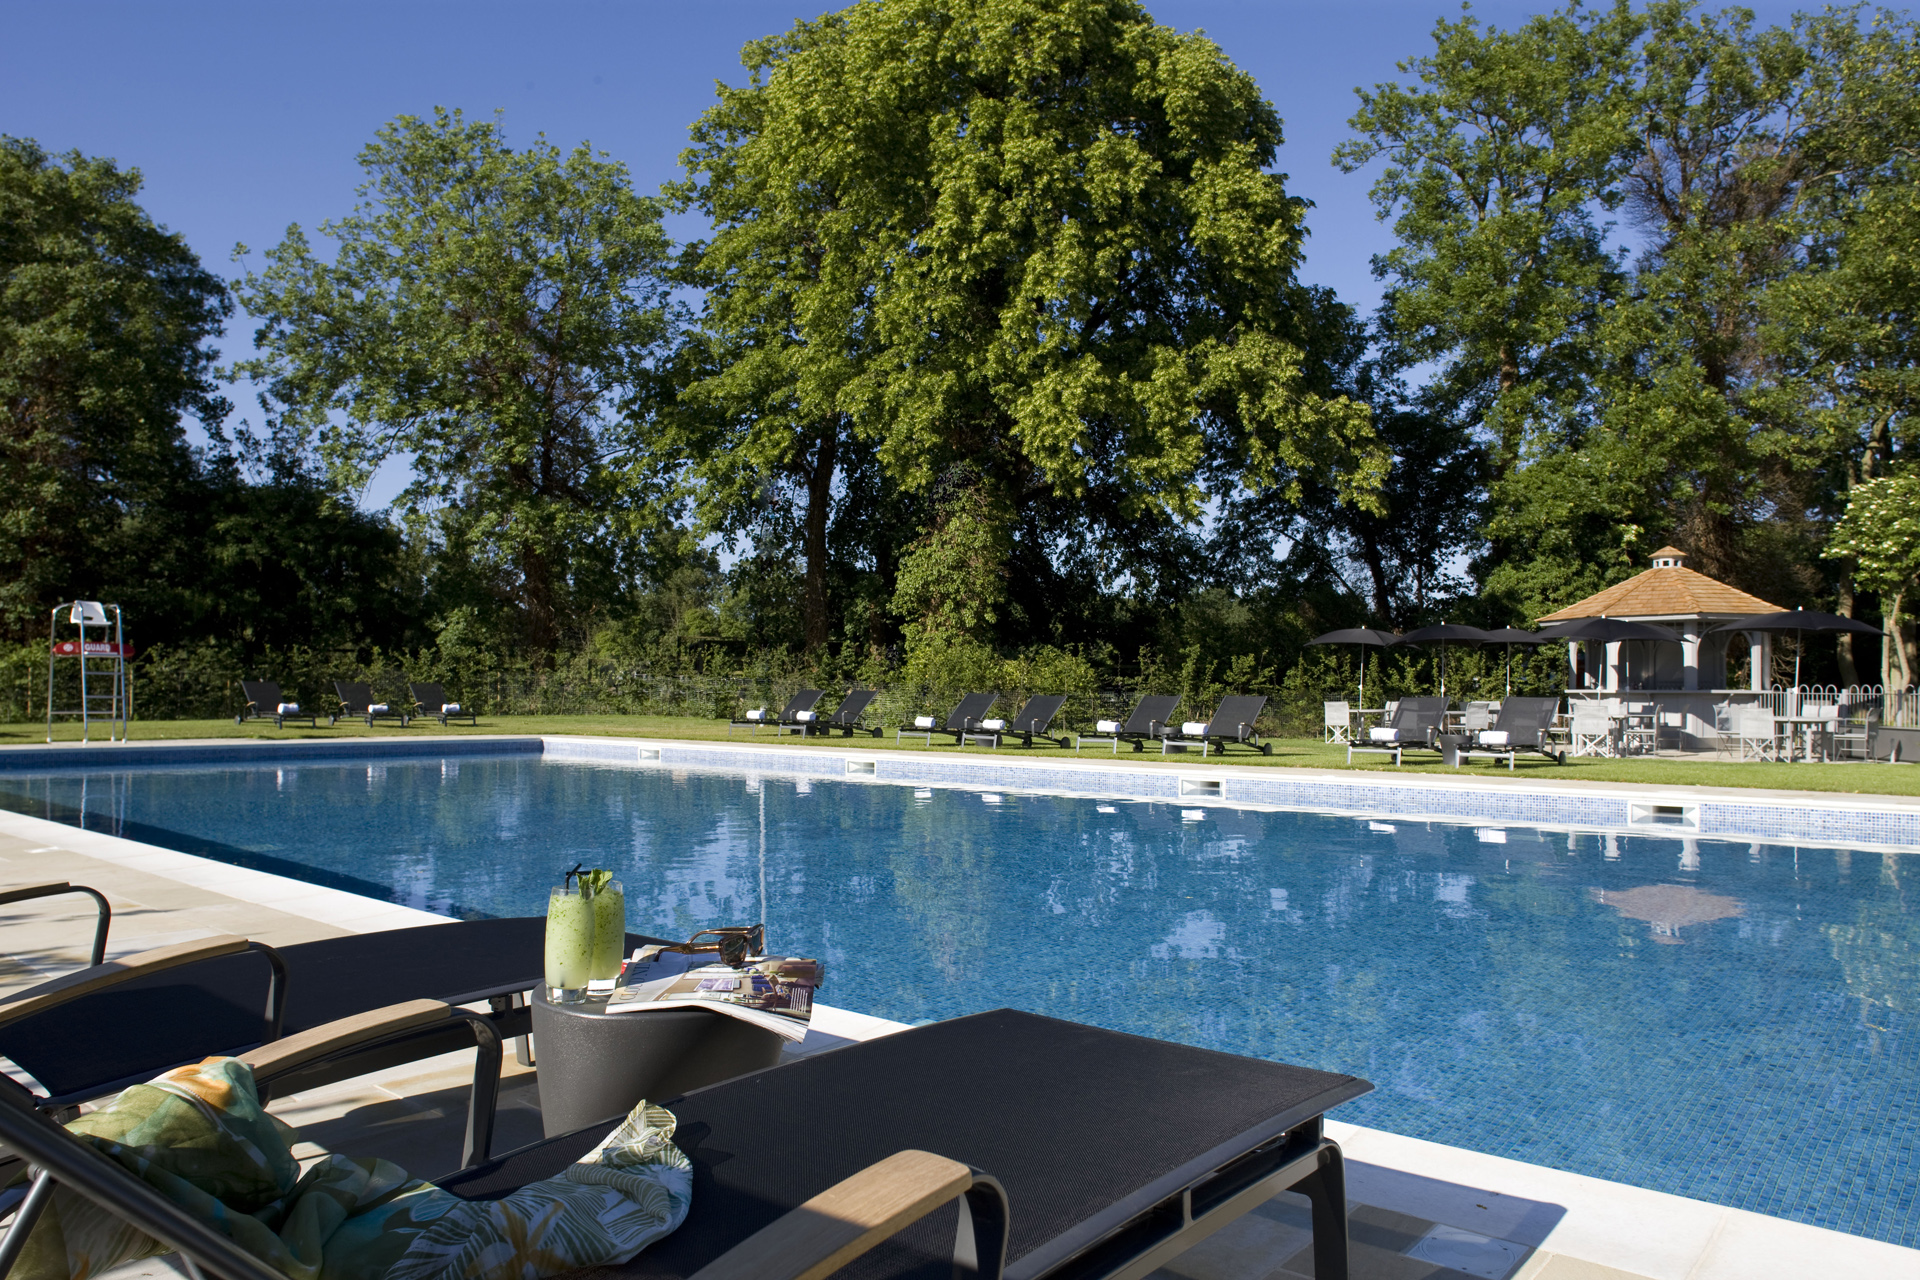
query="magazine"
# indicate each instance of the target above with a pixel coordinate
(774, 992)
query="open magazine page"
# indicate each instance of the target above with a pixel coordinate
(775, 992)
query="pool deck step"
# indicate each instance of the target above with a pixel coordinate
(1421, 1210)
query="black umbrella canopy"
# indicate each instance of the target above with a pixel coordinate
(1800, 620)
(1605, 629)
(1357, 635)
(1514, 635)
(1444, 633)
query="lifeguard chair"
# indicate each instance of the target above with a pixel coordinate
(106, 690)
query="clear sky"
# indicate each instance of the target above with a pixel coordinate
(244, 118)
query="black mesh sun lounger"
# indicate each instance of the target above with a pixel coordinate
(1522, 724)
(430, 700)
(964, 720)
(218, 1005)
(356, 700)
(1413, 724)
(797, 714)
(1148, 723)
(1031, 723)
(847, 717)
(1028, 1103)
(266, 702)
(1233, 722)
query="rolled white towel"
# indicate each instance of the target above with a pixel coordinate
(288, 709)
(995, 725)
(378, 706)
(1194, 728)
(923, 722)
(1493, 737)
(449, 708)
(758, 713)
(1106, 726)
(1383, 735)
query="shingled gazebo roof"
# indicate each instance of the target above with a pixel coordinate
(1668, 590)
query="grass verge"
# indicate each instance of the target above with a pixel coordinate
(1848, 777)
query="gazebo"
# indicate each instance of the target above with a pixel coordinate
(1669, 595)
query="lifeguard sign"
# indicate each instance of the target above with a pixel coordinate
(105, 687)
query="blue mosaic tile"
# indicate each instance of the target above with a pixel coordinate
(141, 755)
(1815, 823)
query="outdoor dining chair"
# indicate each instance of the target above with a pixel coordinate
(1591, 732)
(1337, 717)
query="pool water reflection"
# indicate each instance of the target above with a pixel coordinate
(1727, 1021)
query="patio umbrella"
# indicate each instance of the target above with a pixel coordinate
(1362, 636)
(1511, 636)
(1441, 632)
(1604, 629)
(1797, 621)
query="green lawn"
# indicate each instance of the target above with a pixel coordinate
(1868, 779)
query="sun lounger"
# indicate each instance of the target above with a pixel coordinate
(356, 700)
(1150, 719)
(1019, 1102)
(221, 1002)
(847, 717)
(1031, 723)
(103, 914)
(1522, 724)
(266, 702)
(1233, 722)
(965, 719)
(798, 714)
(1413, 724)
(431, 700)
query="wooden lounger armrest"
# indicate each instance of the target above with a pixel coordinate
(86, 981)
(46, 889)
(305, 1048)
(845, 1220)
(54, 888)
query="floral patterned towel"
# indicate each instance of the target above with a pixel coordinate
(199, 1136)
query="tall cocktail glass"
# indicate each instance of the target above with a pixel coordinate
(569, 943)
(609, 939)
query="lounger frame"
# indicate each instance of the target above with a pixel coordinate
(428, 699)
(1148, 723)
(965, 719)
(264, 700)
(847, 717)
(1031, 723)
(1542, 717)
(788, 721)
(359, 705)
(1233, 723)
(1417, 710)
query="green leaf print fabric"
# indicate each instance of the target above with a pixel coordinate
(199, 1136)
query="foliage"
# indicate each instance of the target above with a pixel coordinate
(104, 323)
(496, 315)
(1034, 240)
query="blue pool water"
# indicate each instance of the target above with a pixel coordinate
(1727, 1021)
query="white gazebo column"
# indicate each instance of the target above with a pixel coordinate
(1759, 659)
(1616, 678)
(1690, 655)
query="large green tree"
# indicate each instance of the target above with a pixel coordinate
(105, 320)
(498, 317)
(1034, 253)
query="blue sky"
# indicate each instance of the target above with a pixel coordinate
(245, 118)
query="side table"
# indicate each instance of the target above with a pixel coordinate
(594, 1065)
(1451, 745)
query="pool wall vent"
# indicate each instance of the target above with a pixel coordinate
(865, 767)
(1205, 787)
(1676, 813)
(649, 753)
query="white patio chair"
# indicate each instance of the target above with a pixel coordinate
(1640, 733)
(1476, 716)
(1338, 718)
(1759, 735)
(1591, 733)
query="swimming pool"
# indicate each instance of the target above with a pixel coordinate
(1726, 1021)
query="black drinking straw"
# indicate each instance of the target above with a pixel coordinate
(568, 878)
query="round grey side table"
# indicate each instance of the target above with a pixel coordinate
(593, 1065)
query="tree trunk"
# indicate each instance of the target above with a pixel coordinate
(819, 480)
(1849, 668)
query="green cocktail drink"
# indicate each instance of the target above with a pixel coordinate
(609, 938)
(569, 943)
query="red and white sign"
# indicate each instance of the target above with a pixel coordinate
(93, 649)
